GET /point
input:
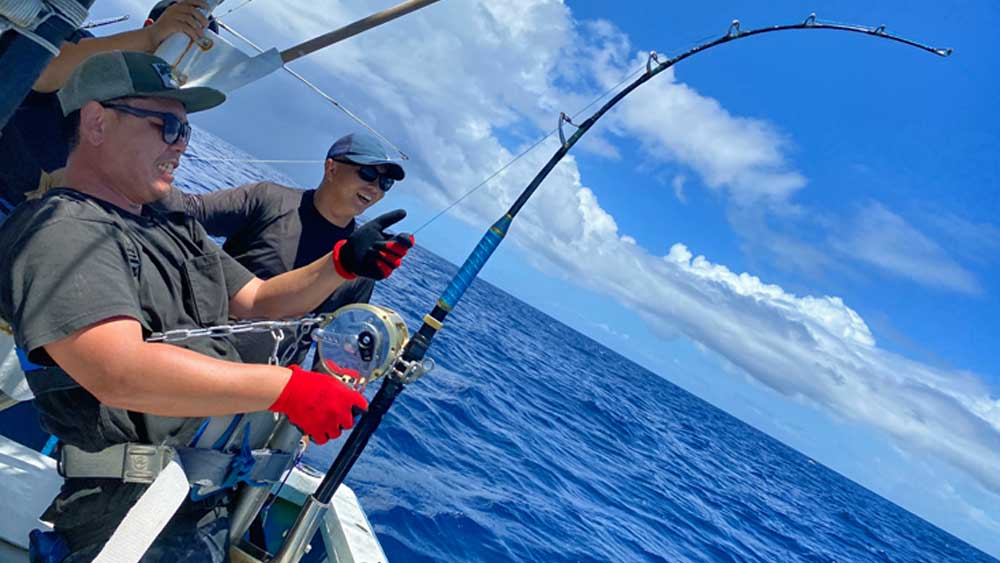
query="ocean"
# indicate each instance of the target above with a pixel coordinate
(532, 442)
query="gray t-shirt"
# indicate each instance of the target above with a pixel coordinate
(74, 260)
(71, 260)
(271, 229)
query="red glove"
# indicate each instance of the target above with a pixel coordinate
(318, 404)
(370, 252)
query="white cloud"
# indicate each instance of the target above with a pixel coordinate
(742, 156)
(977, 242)
(885, 240)
(678, 185)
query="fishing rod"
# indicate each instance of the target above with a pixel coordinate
(410, 364)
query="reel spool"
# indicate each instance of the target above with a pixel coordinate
(359, 342)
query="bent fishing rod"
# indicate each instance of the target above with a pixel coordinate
(410, 364)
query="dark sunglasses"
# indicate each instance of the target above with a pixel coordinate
(369, 173)
(172, 128)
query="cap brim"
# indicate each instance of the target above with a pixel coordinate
(396, 171)
(195, 99)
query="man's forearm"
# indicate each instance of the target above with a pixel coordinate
(111, 361)
(177, 382)
(72, 54)
(290, 294)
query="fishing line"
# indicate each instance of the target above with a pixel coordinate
(576, 114)
(323, 94)
(526, 151)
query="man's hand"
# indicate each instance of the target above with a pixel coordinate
(319, 404)
(182, 17)
(370, 252)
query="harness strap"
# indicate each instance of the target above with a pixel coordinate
(147, 517)
(131, 463)
(207, 471)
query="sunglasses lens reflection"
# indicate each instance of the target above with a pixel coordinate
(370, 174)
(367, 173)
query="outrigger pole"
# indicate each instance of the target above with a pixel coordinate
(352, 29)
(408, 366)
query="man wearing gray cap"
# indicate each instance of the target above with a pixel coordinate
(270, 228)
(89, 271)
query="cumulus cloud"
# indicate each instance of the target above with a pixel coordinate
(743, 156)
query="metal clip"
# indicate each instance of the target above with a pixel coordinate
(734, 29)
(879, 30)
(653, 57)
(564, 118)
(413, 372)
(278, 336)
(811, 20)
(143, 463)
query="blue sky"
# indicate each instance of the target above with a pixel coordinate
(799, 227)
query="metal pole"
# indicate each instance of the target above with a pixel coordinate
(352, 29)
(284, 438)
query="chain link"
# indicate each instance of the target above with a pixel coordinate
(222, 331)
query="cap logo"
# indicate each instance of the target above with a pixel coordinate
(166, 75)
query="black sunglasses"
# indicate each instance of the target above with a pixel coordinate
(369, 173)
(172, 128)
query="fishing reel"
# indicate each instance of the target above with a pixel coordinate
(358, 343)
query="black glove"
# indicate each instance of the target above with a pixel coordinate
(370, 252)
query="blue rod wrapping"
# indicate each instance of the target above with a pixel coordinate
(475, 262)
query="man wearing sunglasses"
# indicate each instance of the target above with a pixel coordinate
(270, 228)
(89, 271)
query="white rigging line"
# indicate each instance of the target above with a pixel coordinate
(316, 89)
(236, 8)
(254, 160)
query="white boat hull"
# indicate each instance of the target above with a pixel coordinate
(29, 481)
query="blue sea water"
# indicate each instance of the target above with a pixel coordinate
(531, 442)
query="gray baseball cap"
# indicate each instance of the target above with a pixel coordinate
(362, 148)
(117, 74)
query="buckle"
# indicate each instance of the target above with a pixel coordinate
(142, 463)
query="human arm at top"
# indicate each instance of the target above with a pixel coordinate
(369, 252)
(111, 361)
(182, 17)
